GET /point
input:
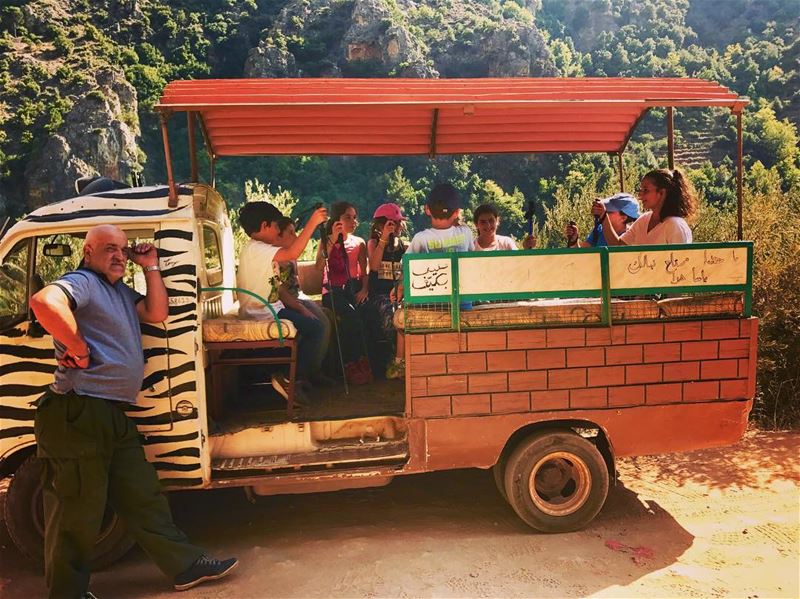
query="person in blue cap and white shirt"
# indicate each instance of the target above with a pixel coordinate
(622, 210)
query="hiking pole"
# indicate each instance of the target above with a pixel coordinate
(323, 240)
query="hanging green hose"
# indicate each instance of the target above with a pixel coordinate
(258, 297)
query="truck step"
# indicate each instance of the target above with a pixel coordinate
(395, 451)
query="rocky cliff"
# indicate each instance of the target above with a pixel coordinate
(327, 38)
(71, 71)
(66, 110)
(98, 137)
(400, 38)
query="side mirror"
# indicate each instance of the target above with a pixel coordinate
(57, 250)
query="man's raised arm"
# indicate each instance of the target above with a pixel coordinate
(155, 305)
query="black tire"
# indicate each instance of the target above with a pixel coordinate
(24, 516)
(499, 474)
(556, 481)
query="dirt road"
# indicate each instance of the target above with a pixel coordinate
(712, 523)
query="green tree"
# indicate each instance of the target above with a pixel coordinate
(773, 142)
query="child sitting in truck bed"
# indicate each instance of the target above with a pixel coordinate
(487, 219)
(622, 209)
(345, 288)
(446, 234)
(385, 250)
(292, 296)
(257, 269)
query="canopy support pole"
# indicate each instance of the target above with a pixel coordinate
(621, 172)
(192, 145)
(432, 151)
(670, 138)
(173, 194)
(209, 150)
(739, 175)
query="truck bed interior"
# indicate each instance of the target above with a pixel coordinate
(364, 427)
(252, 401)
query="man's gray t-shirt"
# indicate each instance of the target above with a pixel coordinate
(107, 320)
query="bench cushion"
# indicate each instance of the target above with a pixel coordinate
(232, 328)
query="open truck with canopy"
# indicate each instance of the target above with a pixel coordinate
(569, 359)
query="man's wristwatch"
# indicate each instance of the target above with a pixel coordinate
(151, 268)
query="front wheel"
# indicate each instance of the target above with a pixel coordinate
(556, 481)
(24, 517)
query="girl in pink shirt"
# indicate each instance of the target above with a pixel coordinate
(345, 287)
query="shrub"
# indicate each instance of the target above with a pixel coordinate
(771, 219)
(62, 43)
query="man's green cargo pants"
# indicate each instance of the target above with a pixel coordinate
(92, 454)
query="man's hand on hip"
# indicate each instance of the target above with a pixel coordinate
(75, 360)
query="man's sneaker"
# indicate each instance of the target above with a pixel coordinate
(280, 382)
(396, 369)
(204, 569)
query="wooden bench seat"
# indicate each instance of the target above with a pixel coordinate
(230, 341)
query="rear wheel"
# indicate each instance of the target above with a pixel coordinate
(499, 474)
(24, 516)
(556, 481)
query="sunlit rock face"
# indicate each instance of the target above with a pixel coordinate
(370, 38)
(98, 137)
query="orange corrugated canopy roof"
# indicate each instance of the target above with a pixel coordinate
(257, 117)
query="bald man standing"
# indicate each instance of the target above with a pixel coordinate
(90, 448)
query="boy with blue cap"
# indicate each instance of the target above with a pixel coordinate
(445, 234)
(622, 209)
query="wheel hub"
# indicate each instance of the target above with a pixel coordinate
(560, 483)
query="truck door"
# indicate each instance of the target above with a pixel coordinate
(26, 350)
(26, 364)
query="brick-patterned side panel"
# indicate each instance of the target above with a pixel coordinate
(496, 372)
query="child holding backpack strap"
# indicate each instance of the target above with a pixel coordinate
(385, 250)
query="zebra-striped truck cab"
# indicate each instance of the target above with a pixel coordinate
(566, 359)
(193, 240)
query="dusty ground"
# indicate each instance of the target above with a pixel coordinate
(712, 523)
